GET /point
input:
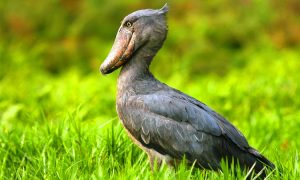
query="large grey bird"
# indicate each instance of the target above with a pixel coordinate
(166, 123)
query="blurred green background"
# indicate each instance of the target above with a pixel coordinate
(241, 57)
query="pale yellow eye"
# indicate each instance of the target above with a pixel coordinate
(128, 24)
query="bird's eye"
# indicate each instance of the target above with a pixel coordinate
(128, 24)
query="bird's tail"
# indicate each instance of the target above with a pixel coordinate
(261, 158)
(261, 163)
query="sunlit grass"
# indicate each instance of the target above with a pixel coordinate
(72, 149)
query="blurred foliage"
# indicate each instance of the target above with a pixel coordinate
(205, 36)
(240, 57)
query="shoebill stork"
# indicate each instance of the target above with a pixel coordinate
(166, 123)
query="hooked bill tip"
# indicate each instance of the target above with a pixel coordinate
(106, 71)
(102, 70)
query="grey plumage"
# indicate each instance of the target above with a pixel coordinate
(165, 122)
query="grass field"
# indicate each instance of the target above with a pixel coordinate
(57, 113)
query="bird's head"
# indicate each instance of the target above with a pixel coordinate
(143, 28)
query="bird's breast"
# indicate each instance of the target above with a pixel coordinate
(126, 115)
(125, 111)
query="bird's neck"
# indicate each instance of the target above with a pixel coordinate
(135, 70)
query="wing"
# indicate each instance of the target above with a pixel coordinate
(169, 136)
(227, 129)
(180, 109)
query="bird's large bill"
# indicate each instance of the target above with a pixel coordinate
(120, 52)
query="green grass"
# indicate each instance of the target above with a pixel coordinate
(66, 127)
